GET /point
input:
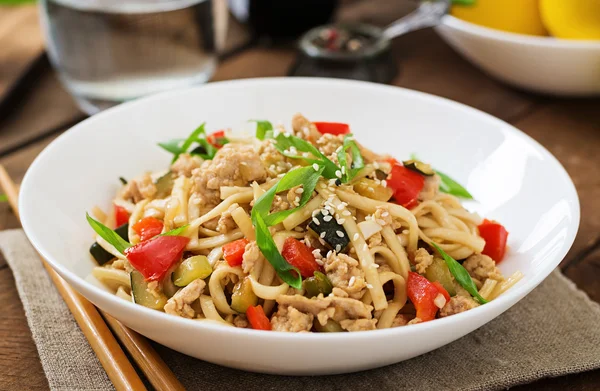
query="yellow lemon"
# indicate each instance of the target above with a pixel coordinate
(572, 19)
(516, 16)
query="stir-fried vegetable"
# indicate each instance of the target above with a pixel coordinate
(449, 185)
(369, 188)
(406, 185)
(154, 257)
(217, 139)
(234, 252)
(108, 234)
(148, 227)
(349, 171)
(293, 147)
(299, 256)
(335, 128)
(257, 318)
(317, 284)
(164, 185)
(262, 128)
(422, 293)
(461, 275)
(243, 297)
(330, 327)
(438, 271)
(419, 166)
(329, 231)
(191, 269)
(143, 296)
(495, 236)
(121, 215)
(198, 137)
(101, 255)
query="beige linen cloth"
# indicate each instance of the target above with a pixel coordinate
(552, 332)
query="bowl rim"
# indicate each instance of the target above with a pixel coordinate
(513, 295)
(540, 41)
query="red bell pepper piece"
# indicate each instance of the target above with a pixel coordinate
(234, 252)
(422, 293)
(121, 216)
(217, 139)
(299, 256)
(153, 258)
(148, 227)
(442, 290)
(335, 128)
(407, 184)
(257, 318)
(495, 236)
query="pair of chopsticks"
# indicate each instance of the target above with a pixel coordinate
(118, 368)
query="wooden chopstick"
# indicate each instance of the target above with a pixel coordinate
(107, 349)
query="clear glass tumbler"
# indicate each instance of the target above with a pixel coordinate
(110, 51)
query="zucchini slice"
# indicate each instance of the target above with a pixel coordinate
(330, 327)
(101, 255)
(318, 283)
(371, 189)
(332, 234)
(191, 269)
(141, 295)
(164, 185)
(438, 271)
(243, 296)
(420, 167)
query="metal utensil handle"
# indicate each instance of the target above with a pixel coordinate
(428, 14)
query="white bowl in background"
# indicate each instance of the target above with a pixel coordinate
(514, 179)
(540, 64)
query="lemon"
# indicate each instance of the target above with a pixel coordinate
(572, 19)
(515, 16)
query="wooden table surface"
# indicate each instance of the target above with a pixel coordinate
(32, 118)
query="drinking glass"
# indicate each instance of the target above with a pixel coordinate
(110, 51)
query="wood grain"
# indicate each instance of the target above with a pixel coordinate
(17, 54)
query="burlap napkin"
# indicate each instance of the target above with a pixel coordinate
(552, 332)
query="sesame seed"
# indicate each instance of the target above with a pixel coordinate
(316, 221)
(343, 169)
(341, 221)
(339, 233)
(371, 189)
(322, 235)
(315, 212)
(319, 261)
(316, 167)
(323, 186)
(365, 247)
(376, 165)
(338, 248)
(317, 253)
(352, 281)
(369, 286)
(332, 182)
(384, 183)
(293, 150)
(385, 214)
(297, 199)
(374, 266)
(338, 173)
(340, 207)
(324, 211)
(327, 218)
(346, 213)
(299, 190)
(305, 154)
(356, 236)
(328, 253)
(286, 134)
(380, 221)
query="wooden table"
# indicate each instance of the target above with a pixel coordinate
(569, 128)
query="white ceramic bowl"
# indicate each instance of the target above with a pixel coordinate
(515, 180)
(540, 64)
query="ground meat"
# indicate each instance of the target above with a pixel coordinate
(251, 255)
(233, 165)
(375, 240)
(328, 144)
(279, 204)
(344, 273)
(154, 289)
(482, 267)
(240, 321)
(139, 189)
(226, 222)
(336, 308)
(430, 188)
(305, 129)
(274, 162)
(456, 305)
(292, 197)
(180, 303)
(382, 215)
(415, 321)
(401, 320)
(185, 164)
(290, 319)
(358, 324)
(422, 260)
